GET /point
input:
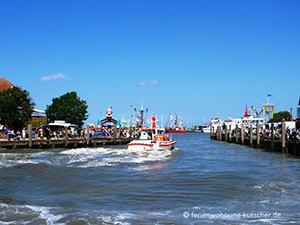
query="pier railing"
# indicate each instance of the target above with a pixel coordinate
(63, 140)
(255, 137)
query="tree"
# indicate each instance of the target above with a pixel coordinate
(16, 107)
(277, 117)
(68, 107)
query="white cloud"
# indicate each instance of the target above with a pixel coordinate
(153, 82)
(149, 83)
(54, 77)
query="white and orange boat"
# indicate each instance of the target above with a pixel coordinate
(152, 139)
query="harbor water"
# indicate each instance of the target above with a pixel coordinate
(201, 181)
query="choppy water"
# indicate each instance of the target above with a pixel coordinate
(200, 182)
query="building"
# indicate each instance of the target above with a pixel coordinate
(38, 118)
(5, 84)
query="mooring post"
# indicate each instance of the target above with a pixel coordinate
(236, 133)
(130, 133)
(230, 133)
(242, 133)
(66, 136)
(257, 135)
(283, 132)
(87, 134)
(251, 135)
(30, 135)
(272, 136)
(115, 134)
(226, 138)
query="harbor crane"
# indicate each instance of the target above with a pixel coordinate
(255, 111)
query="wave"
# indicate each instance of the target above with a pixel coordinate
(32, 214)
(85, 157)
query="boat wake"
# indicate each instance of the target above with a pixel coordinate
(86, 158)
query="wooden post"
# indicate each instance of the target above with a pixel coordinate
(130, 133)
(251, 135)
(115, 134)
(30, 135)
(242, 134)
(87, 134)
(226, 133)
(236, 134)
(272, 136)
(257, 135)
(283, 132)
(66, 136)
(230, 133)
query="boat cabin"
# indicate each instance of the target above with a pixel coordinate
(149, 133)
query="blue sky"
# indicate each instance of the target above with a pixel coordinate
(201, 59)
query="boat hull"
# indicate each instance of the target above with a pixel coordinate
(148, 145)
(206, 130)
(175, 131)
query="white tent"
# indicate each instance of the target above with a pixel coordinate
(61, 123)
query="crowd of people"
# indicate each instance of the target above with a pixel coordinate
(47, 132)
(292, 134)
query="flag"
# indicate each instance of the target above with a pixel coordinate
(269, 95)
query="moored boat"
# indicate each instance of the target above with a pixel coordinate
(179, 130)
(175, 124)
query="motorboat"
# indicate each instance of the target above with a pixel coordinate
(152, 139)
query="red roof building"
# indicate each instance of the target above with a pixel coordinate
(5, 84)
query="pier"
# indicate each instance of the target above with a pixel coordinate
(250, 138)
(63, 143)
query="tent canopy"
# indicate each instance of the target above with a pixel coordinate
(61, 123)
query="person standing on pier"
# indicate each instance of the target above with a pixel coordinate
(24, 133)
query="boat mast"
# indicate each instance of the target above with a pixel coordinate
(170, 121)
(176, 121)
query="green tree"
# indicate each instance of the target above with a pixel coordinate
(16, 107)
(277, 117)
(68, 107)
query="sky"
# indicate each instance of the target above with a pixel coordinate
(198, 58)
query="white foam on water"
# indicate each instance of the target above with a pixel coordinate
(116, 219)
(45, 214)
(269, 187)
(83, 151)
(15, 159)
(25, 210)
(99, 157)
(130, 218)
(86, 157)
(103, 162)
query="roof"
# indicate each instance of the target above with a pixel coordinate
(5, 84)
(61, 123)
